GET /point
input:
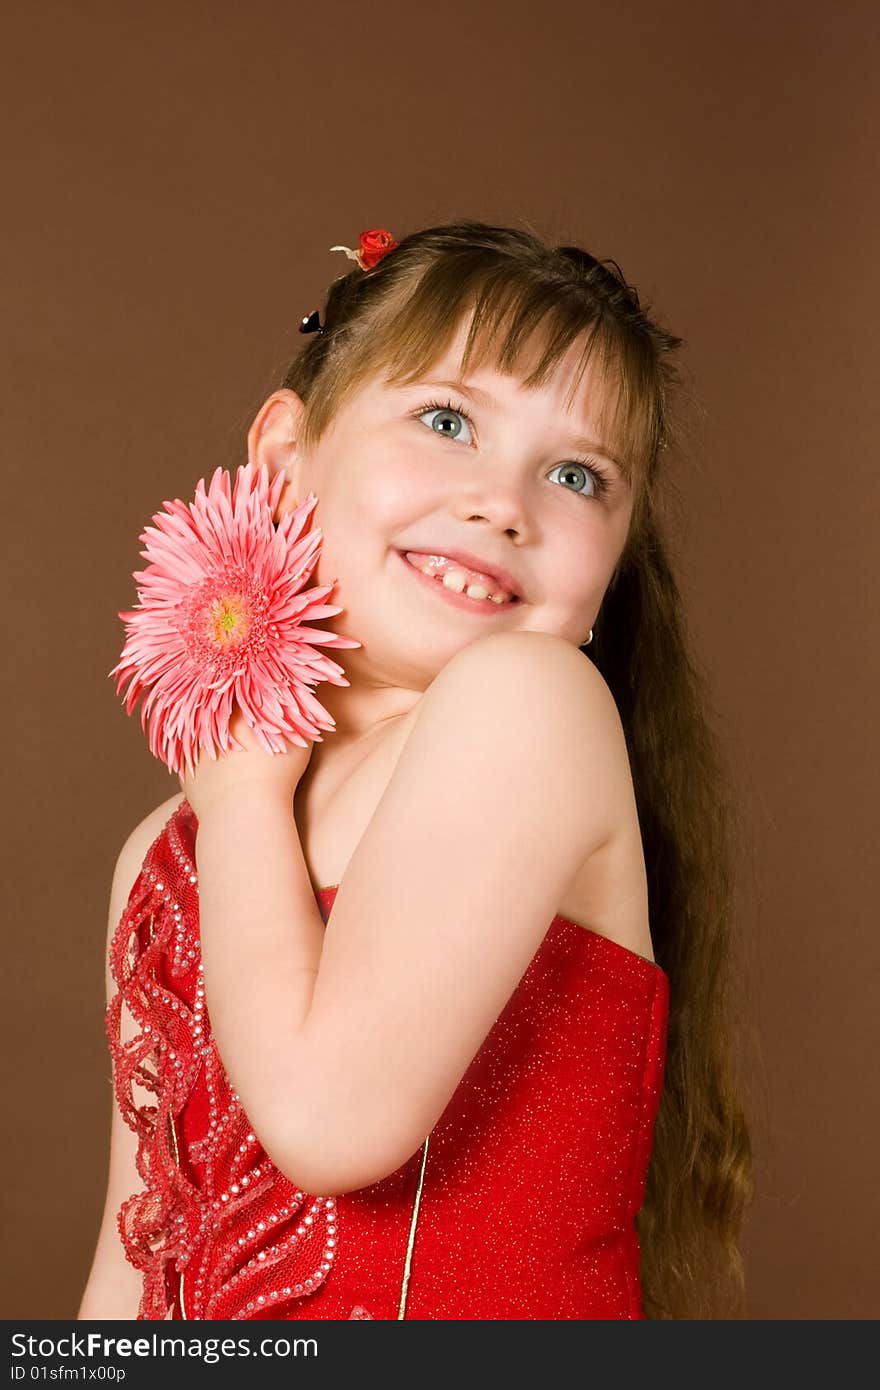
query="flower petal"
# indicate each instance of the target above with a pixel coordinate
(223, 603)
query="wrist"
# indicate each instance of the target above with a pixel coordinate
(242, 791)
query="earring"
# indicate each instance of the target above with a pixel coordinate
(587, 640)
(311, 323)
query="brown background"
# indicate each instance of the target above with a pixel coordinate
(174, 176)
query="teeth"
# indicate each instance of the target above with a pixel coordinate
(457, 580)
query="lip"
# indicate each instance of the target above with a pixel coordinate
(476, 607)
(474, 562)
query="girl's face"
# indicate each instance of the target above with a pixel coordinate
(489, 468)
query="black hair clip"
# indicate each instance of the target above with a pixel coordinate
(312, 323)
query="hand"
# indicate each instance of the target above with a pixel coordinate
(213, 778)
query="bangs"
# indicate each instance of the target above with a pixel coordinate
(521, 323)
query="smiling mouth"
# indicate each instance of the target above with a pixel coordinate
(457, 597)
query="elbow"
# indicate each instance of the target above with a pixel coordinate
(325, 1170)
(323, 1175)
(327, 1152)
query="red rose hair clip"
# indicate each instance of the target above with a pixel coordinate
(373, 245)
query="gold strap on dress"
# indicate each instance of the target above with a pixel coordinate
(401, 1312)
(183, 1313)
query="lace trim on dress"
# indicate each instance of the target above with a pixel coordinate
(178, 1221)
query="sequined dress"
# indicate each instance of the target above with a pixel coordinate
(522, 1203)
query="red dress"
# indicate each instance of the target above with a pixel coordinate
(524, 1200)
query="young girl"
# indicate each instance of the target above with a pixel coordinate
(392, 1037)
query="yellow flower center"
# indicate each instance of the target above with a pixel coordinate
(228, 620)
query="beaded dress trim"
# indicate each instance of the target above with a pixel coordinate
(179, 1225)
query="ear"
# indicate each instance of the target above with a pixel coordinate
(272, 440)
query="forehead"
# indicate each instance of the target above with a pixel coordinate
(582, 391)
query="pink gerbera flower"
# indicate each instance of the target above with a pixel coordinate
(221, 621)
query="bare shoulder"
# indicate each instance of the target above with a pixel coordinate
(134, 851)
(547, 687)
(146, 831)
(152, 824)
(534, 667)
(530, 712)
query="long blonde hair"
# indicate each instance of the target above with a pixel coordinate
(399, 318)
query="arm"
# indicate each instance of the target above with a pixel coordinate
(509, 780)
(114, 1287)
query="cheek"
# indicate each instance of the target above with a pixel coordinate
(360, 516)
(390, 497)
(576, 570)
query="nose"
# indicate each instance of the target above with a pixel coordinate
(498, 495)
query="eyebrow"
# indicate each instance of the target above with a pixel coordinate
(488, 402)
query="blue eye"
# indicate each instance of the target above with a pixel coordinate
(600, 482)
(447, 420)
